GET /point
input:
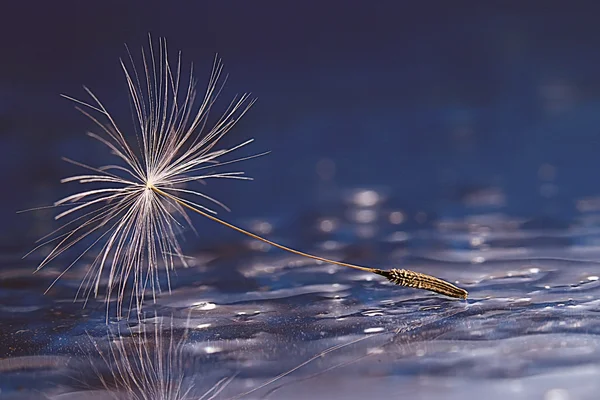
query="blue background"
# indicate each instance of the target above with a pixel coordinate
(427, 103)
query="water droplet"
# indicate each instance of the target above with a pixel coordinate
(331, 245)
(556, 394)
(327, 225)
(262, 227)
(366, 198)
(398, 237)
(212, 349)
(396, 217)
(204, 306)
(477, 241)
(373, 313)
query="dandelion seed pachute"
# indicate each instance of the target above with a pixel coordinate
(133, 215)
(130, 226)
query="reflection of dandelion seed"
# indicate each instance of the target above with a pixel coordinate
(150, 368)
(133, 217)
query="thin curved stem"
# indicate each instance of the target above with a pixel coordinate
(255, 236)
(400, 277)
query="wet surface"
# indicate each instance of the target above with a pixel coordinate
(247, 320)
(456, 141)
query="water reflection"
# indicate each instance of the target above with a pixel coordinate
(285, 327)
(149, 361)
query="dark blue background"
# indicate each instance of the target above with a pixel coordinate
(424, 102)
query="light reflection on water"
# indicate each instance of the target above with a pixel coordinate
(529, 329)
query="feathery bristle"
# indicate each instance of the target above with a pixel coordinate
(131, 229)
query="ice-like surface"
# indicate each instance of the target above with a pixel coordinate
(281, 327)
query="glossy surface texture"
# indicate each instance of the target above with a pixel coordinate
(528, 329)
(457, 141)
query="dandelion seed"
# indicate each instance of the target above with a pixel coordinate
(132, 217)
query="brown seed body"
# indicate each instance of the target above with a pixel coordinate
(417, 280)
